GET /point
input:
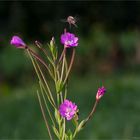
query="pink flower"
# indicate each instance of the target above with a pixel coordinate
(68, 109)
(69, 40)
(101, 91)
(17, 42)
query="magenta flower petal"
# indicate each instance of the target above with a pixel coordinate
(101, 91)
(75, 39)
(68, 109)
(17, 42)
(69, 40)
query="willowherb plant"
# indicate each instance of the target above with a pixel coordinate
(55, 97)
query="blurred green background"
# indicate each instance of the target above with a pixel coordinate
(108, 54)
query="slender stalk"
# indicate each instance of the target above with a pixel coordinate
(57, 77)
(58, 74)
(63, 65)
(61, 97)
(88, 118)
(70, 66)
(49, 91)
(40, 60)
(66, 65)
(48, 96)
(66, 84)
(36, 70)
(55, 73)
(42, 110)
(62, 54)
(34, 64)
(65, 94)
(75, 132)
(93, 110)
(43, 113)
(38, 44)
(58, 100)
(46, 104)
(64, 129)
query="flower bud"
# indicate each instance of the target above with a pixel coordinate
(18, 42)
(52, 42)
(101, 91)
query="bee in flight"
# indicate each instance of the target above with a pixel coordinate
(71, 20)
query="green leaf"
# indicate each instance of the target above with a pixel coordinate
(75, 121)
(81, 125)
(71, 137)
(53, 50)
(69, 134)
(66, 137)
(57, 116)
(61, 131)
(50, 60)
(59, 86)
(56, 132)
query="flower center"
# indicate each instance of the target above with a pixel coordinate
(68, 110)
(69, 42)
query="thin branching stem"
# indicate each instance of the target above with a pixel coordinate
(39, 77)
(64, 129)
(38, 44)
(65, 93)
(93, 110)
(88, 118)
(40, 60)
(63, 65)
(61, 97)
(70, 65)
(49, 91)
(62, 54)
(58, 100)
(46, 103)
(66, 84)
(43, 113)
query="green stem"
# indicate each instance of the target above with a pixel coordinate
(46, 104)
(40, 60)
(36, 70)
(92, 112)
(75, 132)
(58, 100)
(66, 84)
(43, 113)
(65, 94)
(34, 64)
(38, 44)
(61, 96)
(64, 129)
(70, 66)
(63, 65)
(62, 54)
(42, 110)
(49, 91)
(88, 118)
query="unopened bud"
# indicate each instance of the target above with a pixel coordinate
(101, 91)
(18, 42)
